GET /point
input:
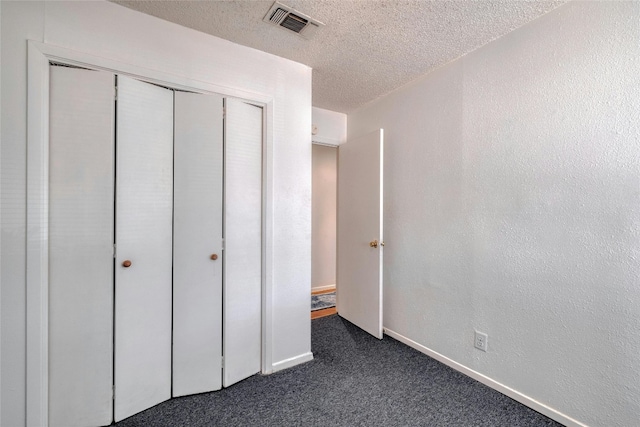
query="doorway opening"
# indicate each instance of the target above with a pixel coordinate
(323, 229)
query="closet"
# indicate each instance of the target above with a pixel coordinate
(155, 244)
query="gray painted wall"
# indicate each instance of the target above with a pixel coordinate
(512, 183)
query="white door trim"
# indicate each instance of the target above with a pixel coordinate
(37, 264)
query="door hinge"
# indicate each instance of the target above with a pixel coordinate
(113, 392)
(222, 361)
(114, 250)
(115, 93)
(224, 112)
(222, 244)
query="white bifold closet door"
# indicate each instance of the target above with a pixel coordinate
(197, 244)
(128, 250)
(81, 192)
(243, 241)
(144, 224)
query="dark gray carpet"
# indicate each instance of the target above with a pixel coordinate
(354, 380)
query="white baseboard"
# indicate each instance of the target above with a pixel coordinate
(515, 395)
(323, 288)
(292, 361)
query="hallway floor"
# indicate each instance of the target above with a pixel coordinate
(316, 314)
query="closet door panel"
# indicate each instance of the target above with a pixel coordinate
(197, 278)
(243, 241)
(144, 198)
(81, 187)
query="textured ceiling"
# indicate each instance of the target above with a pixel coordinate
(368, 47)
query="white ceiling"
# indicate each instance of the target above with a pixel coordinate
(368, 47)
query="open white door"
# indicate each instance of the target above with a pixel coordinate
(197, 244)
(144, 205)
(360, 239)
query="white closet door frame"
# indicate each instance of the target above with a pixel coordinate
(37, 280)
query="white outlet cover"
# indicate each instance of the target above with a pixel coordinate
(481, 341)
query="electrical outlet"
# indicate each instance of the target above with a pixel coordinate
(481, 341)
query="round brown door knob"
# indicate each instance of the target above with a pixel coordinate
(214, 257)
(126, 263)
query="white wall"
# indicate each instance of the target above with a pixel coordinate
(324, 188)
(512, 207)
(110, 31)
(0, 205)
(331, 126)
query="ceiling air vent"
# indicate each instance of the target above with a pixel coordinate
(286, 17)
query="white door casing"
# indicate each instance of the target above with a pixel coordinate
(81, 215)
(197, 236)
(243, 241)
(144, 202)
(359, 264)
